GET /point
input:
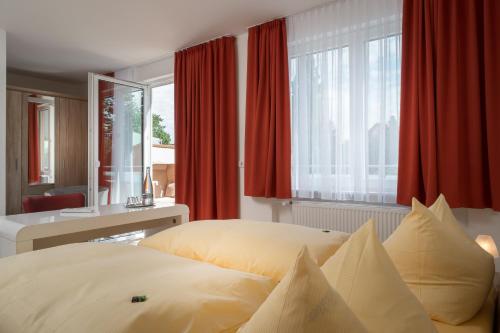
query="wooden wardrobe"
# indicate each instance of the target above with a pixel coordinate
(70, 145)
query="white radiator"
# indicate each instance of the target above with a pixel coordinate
(347, 217)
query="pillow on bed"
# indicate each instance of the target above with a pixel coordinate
(303, 302)
(443, 213)
(446, 270)
(364, 275)
(264, 248)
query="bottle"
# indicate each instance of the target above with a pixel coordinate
(147, 189)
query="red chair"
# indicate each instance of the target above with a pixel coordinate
(42, 203)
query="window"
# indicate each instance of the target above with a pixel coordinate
(162, 150)
(162, 110)
(345, 87)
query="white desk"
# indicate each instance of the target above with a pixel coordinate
(34, 231)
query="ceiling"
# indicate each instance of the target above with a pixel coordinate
(68, 38)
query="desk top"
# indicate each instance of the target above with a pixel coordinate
(44, 224)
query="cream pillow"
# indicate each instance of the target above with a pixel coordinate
(445, 269)
(264, 248)
(443, 213)
(303, 302)
(364, 275)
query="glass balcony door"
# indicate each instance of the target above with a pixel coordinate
(119, 139)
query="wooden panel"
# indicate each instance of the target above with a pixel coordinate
(61, 133)
(14, 117)
(83, 142)
(71, 142)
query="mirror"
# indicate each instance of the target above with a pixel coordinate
(41, 140)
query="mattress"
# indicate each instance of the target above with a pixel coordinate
(89, 287)
(482, 323)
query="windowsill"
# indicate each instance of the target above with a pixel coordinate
(349, 202)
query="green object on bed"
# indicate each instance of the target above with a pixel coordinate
(139, 299)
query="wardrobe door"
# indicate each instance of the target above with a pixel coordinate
(14, 120)
(71, 138)
(80, 145)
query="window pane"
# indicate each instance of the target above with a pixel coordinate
(320, 96)
(383, 90)
(162, 107)
(162, 150)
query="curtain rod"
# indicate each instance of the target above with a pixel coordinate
(254, 25)
(266, 21)
(206, 41)
(326, 3)
(221, 36)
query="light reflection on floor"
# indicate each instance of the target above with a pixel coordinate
(131, 238)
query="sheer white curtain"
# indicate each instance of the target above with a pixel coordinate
(127, 149)
(345, 85)
(126, 172)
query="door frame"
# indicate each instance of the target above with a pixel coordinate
(93, 130)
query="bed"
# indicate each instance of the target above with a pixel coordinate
(213, 282)
(88, 287)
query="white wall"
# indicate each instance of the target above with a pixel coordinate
(484, 221)
(22, 80)
(150, 72)
(3, 119)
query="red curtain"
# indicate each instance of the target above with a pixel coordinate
(106, 94)
(33, 144)
(267, 128)
(206, 137)
(450, 103)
